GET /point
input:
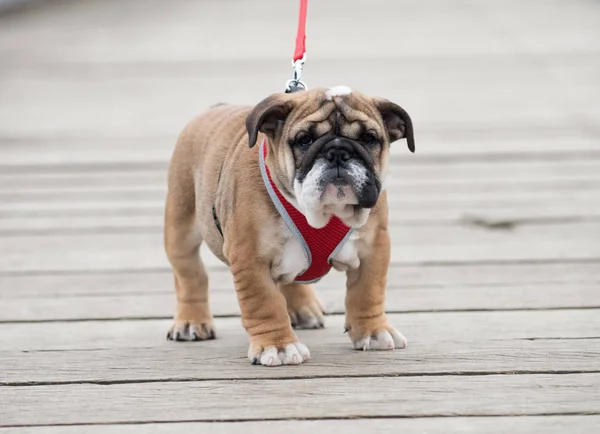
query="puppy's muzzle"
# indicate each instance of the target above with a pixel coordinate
(337, 155)
(341, 154)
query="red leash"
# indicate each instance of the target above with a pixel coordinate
(301, 36)
(295, 85)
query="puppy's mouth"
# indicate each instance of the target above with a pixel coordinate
(348, 183)
(340, 193)
(337, 186)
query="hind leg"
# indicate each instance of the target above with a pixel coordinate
(193, 320)
(304, 308)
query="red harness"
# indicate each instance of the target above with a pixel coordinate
(320, 245)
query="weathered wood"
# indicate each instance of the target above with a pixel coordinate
(151, 295)
(115, 199)
(404, 171)
(31, 201)
(412, 245)
(331, 352)
(432, 425)
(88, 118)
(159, 302)
(148, 282)
(302, 398)
(148, 217)
(138, 215)
(437, 178)
(463, 143)
(430, 328)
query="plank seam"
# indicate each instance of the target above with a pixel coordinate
(300, 377)
(336, 313)
(506, 225)
(333, 418)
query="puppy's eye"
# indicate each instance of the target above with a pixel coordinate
(369, 138)
(304, 140)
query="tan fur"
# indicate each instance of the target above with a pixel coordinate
(253, 239)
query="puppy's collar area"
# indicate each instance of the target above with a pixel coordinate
(319, 245)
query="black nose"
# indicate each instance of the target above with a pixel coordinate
(338, 155)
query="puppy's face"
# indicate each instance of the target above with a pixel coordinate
(329, 149)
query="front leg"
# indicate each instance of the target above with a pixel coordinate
(366, 322)
(264, 315)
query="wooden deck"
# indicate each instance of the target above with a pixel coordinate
(495, 274)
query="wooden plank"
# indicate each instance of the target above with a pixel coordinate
(410, 289)
(409, 197)
(69, 218)
(430, 328)
(159, 282)
(412, 245)
(495, 107)
(463, 143)
(224, 302)
(432, 425)
(446, 174)
(89, 210)
(331, 352)
(302, 398)
(84, 202)
(131, 219)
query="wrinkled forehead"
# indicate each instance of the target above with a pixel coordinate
(340, 110)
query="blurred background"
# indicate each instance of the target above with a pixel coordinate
(495, 221)
(504, 95)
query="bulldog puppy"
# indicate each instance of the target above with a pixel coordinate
(237, 175)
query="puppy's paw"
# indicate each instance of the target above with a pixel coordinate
(307, 317)
(304, 308)
(291, 354)
(182, 331)
(386, 338)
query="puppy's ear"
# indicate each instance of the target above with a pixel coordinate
(397, 122)
(268, 116)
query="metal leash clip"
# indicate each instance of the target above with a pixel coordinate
(295, 84)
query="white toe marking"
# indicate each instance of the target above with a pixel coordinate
(269, 357)
(362, 344)
(399, 339)
(303, 350)
(291, 355)
(338, 91)
(383, 341)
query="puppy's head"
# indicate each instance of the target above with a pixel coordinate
(329, 149)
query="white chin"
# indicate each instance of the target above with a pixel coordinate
(319, 206)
